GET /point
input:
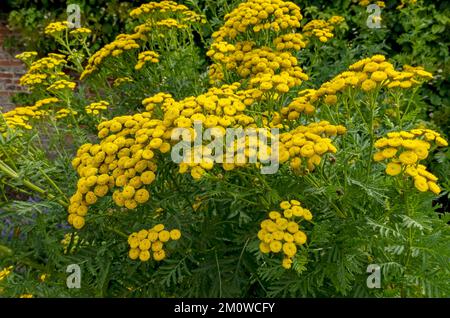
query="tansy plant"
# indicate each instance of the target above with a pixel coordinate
(88, 174)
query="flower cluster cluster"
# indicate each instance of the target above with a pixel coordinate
(272, 69)
(56, 28)
(366, 74)
(97, 107)
(5, 272)
(258, 16)
(289, 42)
(81, 32)
(321, 29)
(61, 85)
(153, 10)
(22, 116)
(121, 44)
(144, 242)
(156, 16)
(65, 112)
(404, 150)
(122, 80)
(27, 57)
(122, 159)
(125, 156)
(146, 56)
(281, 231)
(310, 143)
(44, 71)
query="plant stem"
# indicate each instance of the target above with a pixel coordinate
(11, 173)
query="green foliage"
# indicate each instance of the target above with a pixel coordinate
(361, 215)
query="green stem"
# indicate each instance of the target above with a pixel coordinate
(410, 238)
(11, 173)
(117, 232)
(372, 105)
(53, 184)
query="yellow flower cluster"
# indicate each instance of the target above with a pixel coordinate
(153, 9)
(143, 242)
(64, 112)
(366, 74)
(403, 150)
(321, 29)
(382, 4)
(26, 56)
(156, 15)
(56, 28)
(336, 19)
(122, 159)
(97, 107)
(308, 142)
(403, 3)
(22, 116)
(146, 56)
(61, 85)
(122, 80)
(124, 156)
(259, 15)
(122, 43)
(375, 70)
(26, 296)
(5, 272)
(289, 42)
(44, 70)
(170, 23)
(273, 70)
(81, 31)
(267, 69)
(300, 105)
(281, 232)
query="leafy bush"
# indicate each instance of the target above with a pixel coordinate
(88, 173)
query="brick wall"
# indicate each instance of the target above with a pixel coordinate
(11, 70)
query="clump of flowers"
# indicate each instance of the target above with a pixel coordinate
(146, 56)
(22, 117)
(308, 143)
(44, 71)
(26, 57)
(56, 28)
(96, 108)
(404, 150)
(121, 44)
(122, 80)
(81, 32)
(153, 9)
(273, 69)
(367, 75)
(281, 233)
(319, 29)
(65, 112)
(123, 159)
(5, 272)
(61, 85)
(149, 244)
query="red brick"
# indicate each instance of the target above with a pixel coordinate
(10, 62)
(6, 75)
